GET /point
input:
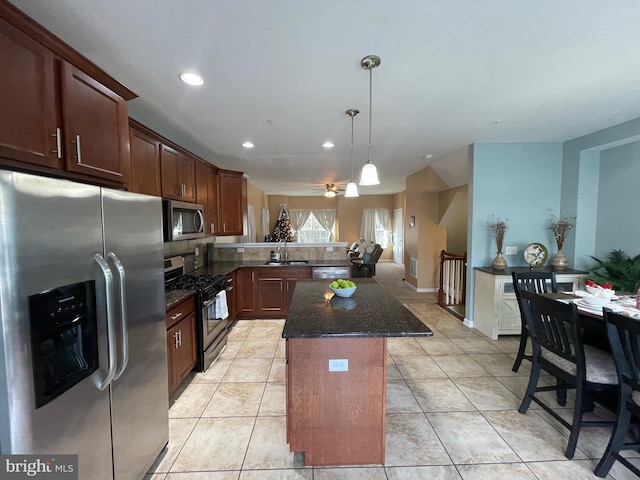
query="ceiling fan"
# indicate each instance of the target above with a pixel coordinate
(331, 190)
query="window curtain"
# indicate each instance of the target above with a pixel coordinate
(384, 222)
(251, 225)
(368, 225)
(298, 218)
(376, 226)
(266, 229)
(327, 220)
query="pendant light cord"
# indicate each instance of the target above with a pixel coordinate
(351, 181)
(370, 107)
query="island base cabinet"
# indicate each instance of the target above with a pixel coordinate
(337, 417)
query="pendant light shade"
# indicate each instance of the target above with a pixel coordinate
(369, 172)
(352, 188)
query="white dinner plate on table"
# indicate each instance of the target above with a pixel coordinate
(587, 306)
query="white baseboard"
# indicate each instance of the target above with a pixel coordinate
(467, 322)
(420, 290)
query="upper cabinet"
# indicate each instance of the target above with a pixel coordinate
(59, 113)
(96, 127)
(145, 161)
(232, 202)
(178, 175)
(207, 195)
(29, 124)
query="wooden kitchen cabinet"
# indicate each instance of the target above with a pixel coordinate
(275, 287)
(59, 113)
(246, 292)
(181, 342)
(207, 195)
(145, 161)
(232, 303)
(232, 203)
(177, 174)
(96, 127)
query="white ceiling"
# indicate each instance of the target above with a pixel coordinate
(281, 73)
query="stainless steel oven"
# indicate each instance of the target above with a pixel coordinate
(182, 221)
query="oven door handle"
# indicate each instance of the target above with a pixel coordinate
(208, 303)
(124, 340)
(111, 330)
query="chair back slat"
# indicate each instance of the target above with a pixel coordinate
(624, 338)
(555, 326)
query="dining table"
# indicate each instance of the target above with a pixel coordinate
(594, 332)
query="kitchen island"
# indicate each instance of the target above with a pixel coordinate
(336, 366)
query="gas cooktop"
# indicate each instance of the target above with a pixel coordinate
(195, 282)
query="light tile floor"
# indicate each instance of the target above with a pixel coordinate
(452, 405)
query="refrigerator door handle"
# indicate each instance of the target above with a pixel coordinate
(111, 331)
(124, 357)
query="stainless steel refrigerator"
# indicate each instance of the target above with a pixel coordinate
(83, 363)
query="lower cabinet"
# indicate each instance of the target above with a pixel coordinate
(495, 307)
(266, 292)
(181, 342)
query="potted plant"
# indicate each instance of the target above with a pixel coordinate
(498, 229)
(618, 269)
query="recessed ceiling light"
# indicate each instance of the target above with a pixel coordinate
(428, 155)
(248, 145)
(191, 78)
(328, 145)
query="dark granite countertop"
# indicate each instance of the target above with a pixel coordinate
(174, 297)
(226, 267)
(370, 312)
(508, 271)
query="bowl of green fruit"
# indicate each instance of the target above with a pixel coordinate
(342, 288)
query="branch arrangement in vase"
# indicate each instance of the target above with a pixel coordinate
(560, 228)
(498, 228)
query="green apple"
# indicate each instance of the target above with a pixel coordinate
(335, 284)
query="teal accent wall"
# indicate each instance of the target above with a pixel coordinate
(520, 182)
(618, 220)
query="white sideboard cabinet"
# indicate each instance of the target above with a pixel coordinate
(495, 308)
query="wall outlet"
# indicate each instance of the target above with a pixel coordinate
(329, 249)
(511, 250)
(240, 249)
(338, 364)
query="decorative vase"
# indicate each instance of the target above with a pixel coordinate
(559, 261)
(499, 263)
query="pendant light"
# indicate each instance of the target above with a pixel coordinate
(352, 188)
(369, 172)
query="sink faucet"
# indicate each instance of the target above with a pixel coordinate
(286, 253)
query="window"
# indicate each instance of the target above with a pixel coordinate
(312, 231)
(376, 226)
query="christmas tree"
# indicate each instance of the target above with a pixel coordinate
(282, 229)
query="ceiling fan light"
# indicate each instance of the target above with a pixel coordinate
(329, 194)
(352, 190)
(369, 175)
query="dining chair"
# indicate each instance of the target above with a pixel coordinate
(558, 349)
(624, 338)
(532, 281)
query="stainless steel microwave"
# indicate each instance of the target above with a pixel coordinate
(182, 220)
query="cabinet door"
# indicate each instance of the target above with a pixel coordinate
(246, 291)
(178, 175)
(96, 127)
(145, 163)
(29, 122)
(172, 341)
(232, 203)
(207, 194)
(232, 304)
(270, 295)
(185, 354)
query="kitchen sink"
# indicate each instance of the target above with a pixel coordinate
(288, 262)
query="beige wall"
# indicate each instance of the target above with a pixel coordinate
(453, 214)
(427, 238)
(348, 212)
(259, 200)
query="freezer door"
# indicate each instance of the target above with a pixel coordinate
(50, 231)
(139, 394)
